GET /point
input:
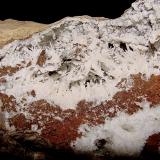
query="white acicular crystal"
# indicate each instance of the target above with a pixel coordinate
(85, 58)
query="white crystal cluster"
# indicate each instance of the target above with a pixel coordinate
(87, 56)
(85, 60)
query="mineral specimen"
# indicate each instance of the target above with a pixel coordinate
(86, 84)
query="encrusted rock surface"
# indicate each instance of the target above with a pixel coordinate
(86, 84)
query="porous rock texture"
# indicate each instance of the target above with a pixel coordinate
(90, 85)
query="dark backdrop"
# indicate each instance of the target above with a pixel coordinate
(48, 11)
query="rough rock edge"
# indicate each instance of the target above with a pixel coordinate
(11, 30)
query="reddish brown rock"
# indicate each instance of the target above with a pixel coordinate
(153, 144)
(42, 58)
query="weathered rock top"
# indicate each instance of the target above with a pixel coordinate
(12, 30)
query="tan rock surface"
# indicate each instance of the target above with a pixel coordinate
(12, 30)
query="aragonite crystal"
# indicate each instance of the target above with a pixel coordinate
(86, 84)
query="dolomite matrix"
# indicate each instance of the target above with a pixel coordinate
(87, 84)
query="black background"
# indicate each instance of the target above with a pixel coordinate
(48, 11)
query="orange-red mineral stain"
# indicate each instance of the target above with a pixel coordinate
(20, 122)
(9, 70)
(42, 58)
(9, 103)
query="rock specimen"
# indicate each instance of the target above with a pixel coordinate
(85, 84)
